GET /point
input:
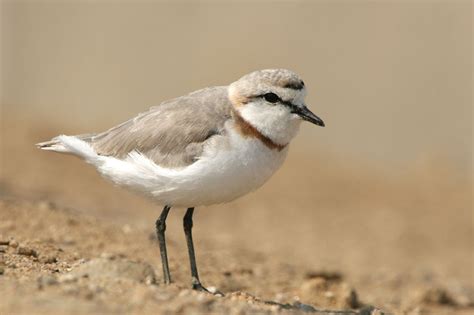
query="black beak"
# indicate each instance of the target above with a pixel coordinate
(307, 115)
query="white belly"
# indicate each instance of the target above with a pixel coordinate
(223, 173)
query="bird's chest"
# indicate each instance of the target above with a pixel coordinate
(243, 165)
(254, 162)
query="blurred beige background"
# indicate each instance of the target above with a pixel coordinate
(392, 79)
(388, 182)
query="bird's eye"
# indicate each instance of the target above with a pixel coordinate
(271, 97)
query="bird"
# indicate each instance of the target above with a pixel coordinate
(207, 147)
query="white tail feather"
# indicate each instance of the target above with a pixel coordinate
(71, 145)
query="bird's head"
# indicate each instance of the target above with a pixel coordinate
(272, 101)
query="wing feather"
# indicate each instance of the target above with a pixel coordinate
(172, 134)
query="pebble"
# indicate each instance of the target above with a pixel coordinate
(348, 296)
(438, 296)
(215, 291)
(13, 243)
(328, 293)
(26, 251)
(149, 280)
(48, 259)
(327, 275)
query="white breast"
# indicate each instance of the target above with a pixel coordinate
(230, 167)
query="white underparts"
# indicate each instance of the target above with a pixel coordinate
(230, 166)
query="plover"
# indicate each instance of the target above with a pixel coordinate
(208, 147)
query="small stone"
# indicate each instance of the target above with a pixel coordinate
(348, 297)
(327, 275)
(215, 291)
(48, 259)
(149, 280)
(13, 243)
(89, 295)
(328, 293)
(26, 251)
(437, 296)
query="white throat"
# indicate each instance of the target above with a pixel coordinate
(274, 122)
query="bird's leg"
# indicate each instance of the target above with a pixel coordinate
(160, 232)
(188, 225)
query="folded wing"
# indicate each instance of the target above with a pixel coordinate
(171, 134)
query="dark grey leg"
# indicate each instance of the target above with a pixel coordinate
(188, 225)
(160, 231)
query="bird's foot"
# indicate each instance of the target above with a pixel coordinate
(199, 287)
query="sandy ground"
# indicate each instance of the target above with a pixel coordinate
(322, 234)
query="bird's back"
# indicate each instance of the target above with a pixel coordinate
(171, 134)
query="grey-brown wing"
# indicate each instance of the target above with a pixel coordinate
(173, 133)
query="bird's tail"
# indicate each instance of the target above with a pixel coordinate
(52, 145)
(76, 145)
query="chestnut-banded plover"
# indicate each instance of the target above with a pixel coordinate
(208, 147)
